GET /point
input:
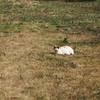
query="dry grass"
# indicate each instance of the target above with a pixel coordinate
(29, 68)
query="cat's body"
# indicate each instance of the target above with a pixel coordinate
(64, 50)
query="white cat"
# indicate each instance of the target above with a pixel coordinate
(64, 50)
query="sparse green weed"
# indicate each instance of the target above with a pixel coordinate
(50, 58)
(66, 40)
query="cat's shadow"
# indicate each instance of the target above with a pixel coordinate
(53, 53)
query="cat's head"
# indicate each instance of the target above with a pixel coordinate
(56, 48)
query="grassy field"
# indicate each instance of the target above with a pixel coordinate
(29, 68)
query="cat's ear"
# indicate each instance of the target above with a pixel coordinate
(58, 47)
(55, 46)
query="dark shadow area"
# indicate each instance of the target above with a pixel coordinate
(78, 0)
(69, 0)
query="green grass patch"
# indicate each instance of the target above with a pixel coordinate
(50, 58)
(59, 15)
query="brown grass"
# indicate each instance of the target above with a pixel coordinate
(30, 70)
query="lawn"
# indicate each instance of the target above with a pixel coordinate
(29, 67)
